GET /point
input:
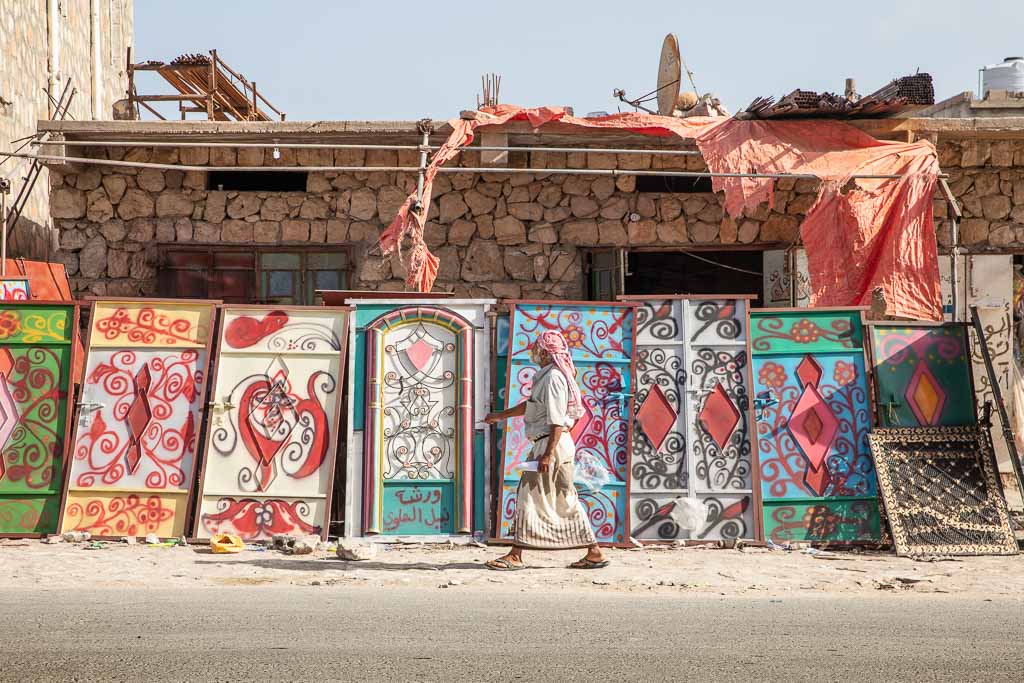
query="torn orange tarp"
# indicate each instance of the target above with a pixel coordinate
(859, 235)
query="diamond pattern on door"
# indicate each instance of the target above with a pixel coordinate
(134, 451)
(275, 413)
(691, 442)
(817, 476)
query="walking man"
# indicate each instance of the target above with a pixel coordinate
(549, 514)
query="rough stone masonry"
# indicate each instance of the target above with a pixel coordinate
(496, 234)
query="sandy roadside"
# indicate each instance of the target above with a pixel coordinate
(752, 571)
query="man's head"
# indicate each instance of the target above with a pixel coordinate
(539, 355)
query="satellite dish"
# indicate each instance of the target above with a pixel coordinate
(669, 75)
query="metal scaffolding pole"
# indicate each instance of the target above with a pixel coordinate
(444, 169)
(408, 148)
(954, 238)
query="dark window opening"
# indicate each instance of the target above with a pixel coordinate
(252, 276)
(257, 181)
(696, 272)
(673, 183)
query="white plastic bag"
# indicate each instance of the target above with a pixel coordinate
(690, 514)
(590, 473)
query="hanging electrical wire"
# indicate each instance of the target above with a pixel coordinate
(722, 265)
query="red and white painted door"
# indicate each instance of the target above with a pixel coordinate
(274, 418)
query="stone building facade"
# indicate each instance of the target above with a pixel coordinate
(497, 234)
(26, 41)
(276, 237)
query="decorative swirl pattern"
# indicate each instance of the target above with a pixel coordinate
(148, 326)
(803, 331)
(260, 519)
(36, 382)
(665, 468)
(130, 515)
(656, 319)
(167, 442)
(720, 314)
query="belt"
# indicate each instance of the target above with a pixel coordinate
(542, 436)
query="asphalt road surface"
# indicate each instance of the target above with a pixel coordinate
(458, 633)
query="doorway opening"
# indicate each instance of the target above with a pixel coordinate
(696, 272)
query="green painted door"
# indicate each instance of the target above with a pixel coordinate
(35, 363)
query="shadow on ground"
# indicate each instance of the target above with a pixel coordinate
(342, 565)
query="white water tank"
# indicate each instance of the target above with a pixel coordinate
(1009, 76)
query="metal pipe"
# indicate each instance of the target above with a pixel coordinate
(421, 175)
(443, 169)
(5, 187)
(955, 215)
(97, 63)
(997, 394)
(53, 50)
(954, 279)
(265, 145)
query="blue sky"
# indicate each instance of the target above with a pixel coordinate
(406, 60)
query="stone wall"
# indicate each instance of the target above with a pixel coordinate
(23, 80)
(496, 234)
(987, 177)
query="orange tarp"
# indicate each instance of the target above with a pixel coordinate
(860, 234)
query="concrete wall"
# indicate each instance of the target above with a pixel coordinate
(24, 51)
(496, 234)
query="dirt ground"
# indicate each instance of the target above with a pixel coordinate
(747, 571)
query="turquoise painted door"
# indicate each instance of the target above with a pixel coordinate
(812, 414)
(923, 375)
(601, 338)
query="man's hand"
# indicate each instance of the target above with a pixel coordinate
(493, 418)
(545, 463)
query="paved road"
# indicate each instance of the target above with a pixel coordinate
(314, 633)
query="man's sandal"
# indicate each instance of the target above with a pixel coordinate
(587, 563)
(503, 565)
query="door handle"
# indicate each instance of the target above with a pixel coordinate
(762, 402)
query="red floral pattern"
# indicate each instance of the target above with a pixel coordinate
(772, 375)
(9, 324)
(805, 332)
(844, 373)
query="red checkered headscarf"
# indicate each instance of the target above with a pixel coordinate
(554, 343)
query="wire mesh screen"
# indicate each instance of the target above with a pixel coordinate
(940, 491)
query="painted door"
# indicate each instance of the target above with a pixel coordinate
(691, 441)
(601, 338)
(275, 412)
(922, 375)
(134, 451)
(36, 343)
(812, 415)
(786, 280)
(420, 415)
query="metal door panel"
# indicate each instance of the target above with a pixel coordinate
(400, 484)
(36, 343)
(601, 338)
(274, 419)
(691, 441)
(817, 475)
(922, 375)
(134, 451)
